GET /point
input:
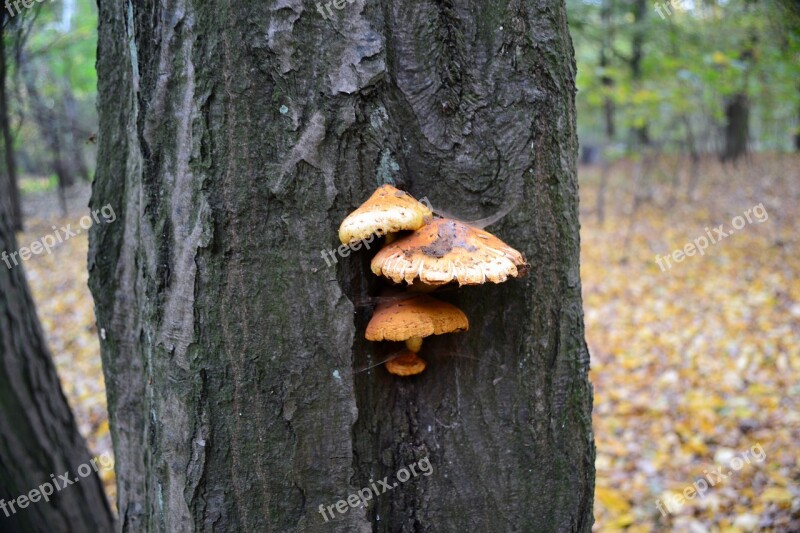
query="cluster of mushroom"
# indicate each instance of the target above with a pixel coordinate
(438, 252)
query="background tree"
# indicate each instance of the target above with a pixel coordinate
(233, 138)
(639, 10)
(38, 434)
(698, 66)
(9, 170)
(58, 81)
(51, 130)
(49, 94)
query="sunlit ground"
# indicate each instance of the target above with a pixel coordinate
(696, 369)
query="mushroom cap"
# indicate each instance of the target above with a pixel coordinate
(417, 316)
(406, 364)
(448, 250)
(388, 210)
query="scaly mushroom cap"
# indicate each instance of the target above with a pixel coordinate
(448, 250)
(417, 316)
(388, 210)
(406, 364)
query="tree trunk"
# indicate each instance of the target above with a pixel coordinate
(74, 137)
(797, 130)
(606, 11)
(606, 15)
(50, 128)
(737, 107)
(640, 8)
(694, 158)
(10, 183)
(233, 139)
(39, 440)
(737, 118)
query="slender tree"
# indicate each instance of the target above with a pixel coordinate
(736, 131)
(39, 440)
(233, 138)
(52, 130)
(639, 10)
(609, 128)
(75, 137)
(606, 50)
(8, 179)
(737, 127)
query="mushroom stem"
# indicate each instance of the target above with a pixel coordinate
(414, 344)
(390, 238)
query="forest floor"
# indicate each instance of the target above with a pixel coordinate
(695, 365)
(59, 284)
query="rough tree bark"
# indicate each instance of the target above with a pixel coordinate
(233, 139)
(38, 434)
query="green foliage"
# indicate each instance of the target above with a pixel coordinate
(66, 44)
(52, 46)
(693, 60)
(30, 185)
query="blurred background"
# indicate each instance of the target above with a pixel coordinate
(689, 122)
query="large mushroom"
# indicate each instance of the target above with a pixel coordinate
(410, 320)
(447, 250)
(387, 211)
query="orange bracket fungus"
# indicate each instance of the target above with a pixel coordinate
(411, 320)
(437, 253)
(447, 250)
(388, 210)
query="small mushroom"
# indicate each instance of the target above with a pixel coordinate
(407, 363)
(410, 320)
(387, 211)
(447, 250)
